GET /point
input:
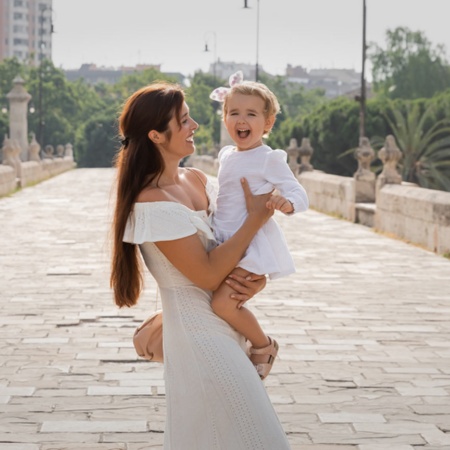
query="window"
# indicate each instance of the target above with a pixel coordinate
(18, 2)
(18, 16)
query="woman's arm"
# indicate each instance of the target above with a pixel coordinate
(208, 270)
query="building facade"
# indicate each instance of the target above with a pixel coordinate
(26, 30)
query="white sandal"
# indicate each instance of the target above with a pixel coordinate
(263, 358)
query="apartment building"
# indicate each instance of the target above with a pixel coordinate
(26, 30)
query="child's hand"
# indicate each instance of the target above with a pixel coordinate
(280, 203)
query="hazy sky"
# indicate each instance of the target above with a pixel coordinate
(310, 33)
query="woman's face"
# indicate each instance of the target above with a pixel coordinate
(181, 141)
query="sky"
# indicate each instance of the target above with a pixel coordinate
(309, 33)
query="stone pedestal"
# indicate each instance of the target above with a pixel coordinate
(18, 122)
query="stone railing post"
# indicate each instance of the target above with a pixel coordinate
(293, 153)
(364, 177)
(68, 151)
(11, 151)
(34, 149)
(18, 122)
(48, 152)
(60, 151)
(389, 155)
(305, 153)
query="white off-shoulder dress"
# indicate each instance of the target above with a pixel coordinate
(215, 398)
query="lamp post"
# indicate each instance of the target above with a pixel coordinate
(43, 8)
(207, 36)
(257, 37)
(362, 99)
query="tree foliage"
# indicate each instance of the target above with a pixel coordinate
(410, 66)
(425, 143)
(87, 115)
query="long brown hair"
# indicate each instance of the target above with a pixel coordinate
(138, 164)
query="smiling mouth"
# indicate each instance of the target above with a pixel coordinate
(243, 133)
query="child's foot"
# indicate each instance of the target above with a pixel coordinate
(263, 358)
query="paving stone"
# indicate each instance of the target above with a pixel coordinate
(94, 426)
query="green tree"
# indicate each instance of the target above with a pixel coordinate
(132, 82)
(205, 111)
(410, 66)
(97, 140)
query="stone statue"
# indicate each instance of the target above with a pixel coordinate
(60, 151)
(34, 149)
(390, 155)
(48, 152)
(293, 153)
(305, 153)
(11, 155)
(365, 155)
(365, 179)
(68, 152)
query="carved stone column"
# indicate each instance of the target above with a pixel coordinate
(18, 121)
(305, 153)
(293, 153)
(364, 177)
(389, 155)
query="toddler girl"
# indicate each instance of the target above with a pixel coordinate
(249, 111)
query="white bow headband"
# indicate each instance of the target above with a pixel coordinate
(219, 93)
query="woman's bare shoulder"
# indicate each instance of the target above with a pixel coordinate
(198, 173)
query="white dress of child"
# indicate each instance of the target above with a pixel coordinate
(215, 398)
(265, 170)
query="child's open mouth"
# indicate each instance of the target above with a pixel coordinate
(243, 133)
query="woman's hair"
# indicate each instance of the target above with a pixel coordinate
(271, 105)
(138, 164)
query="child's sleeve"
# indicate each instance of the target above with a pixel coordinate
(278, 172)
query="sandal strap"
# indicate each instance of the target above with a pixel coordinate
(271, 349)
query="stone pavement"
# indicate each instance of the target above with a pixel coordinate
(363, 327)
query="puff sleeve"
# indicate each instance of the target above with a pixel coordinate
(278, 172)
(163, 221)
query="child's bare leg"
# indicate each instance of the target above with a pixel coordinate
(242, 320)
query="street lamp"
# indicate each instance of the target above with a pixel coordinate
(207, 37)
(362, 101)
(257, 36)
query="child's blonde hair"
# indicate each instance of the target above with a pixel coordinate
(271, 105)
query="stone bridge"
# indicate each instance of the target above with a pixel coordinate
(363, 327)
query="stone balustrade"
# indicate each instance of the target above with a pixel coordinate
(407, 211)
(21, 164)
(16, 174)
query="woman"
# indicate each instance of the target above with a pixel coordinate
(215, 399)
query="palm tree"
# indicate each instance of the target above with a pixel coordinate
(425, 144)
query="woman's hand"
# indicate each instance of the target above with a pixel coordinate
(257, 204)
(245, 287)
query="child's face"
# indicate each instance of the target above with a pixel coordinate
(246, 121)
